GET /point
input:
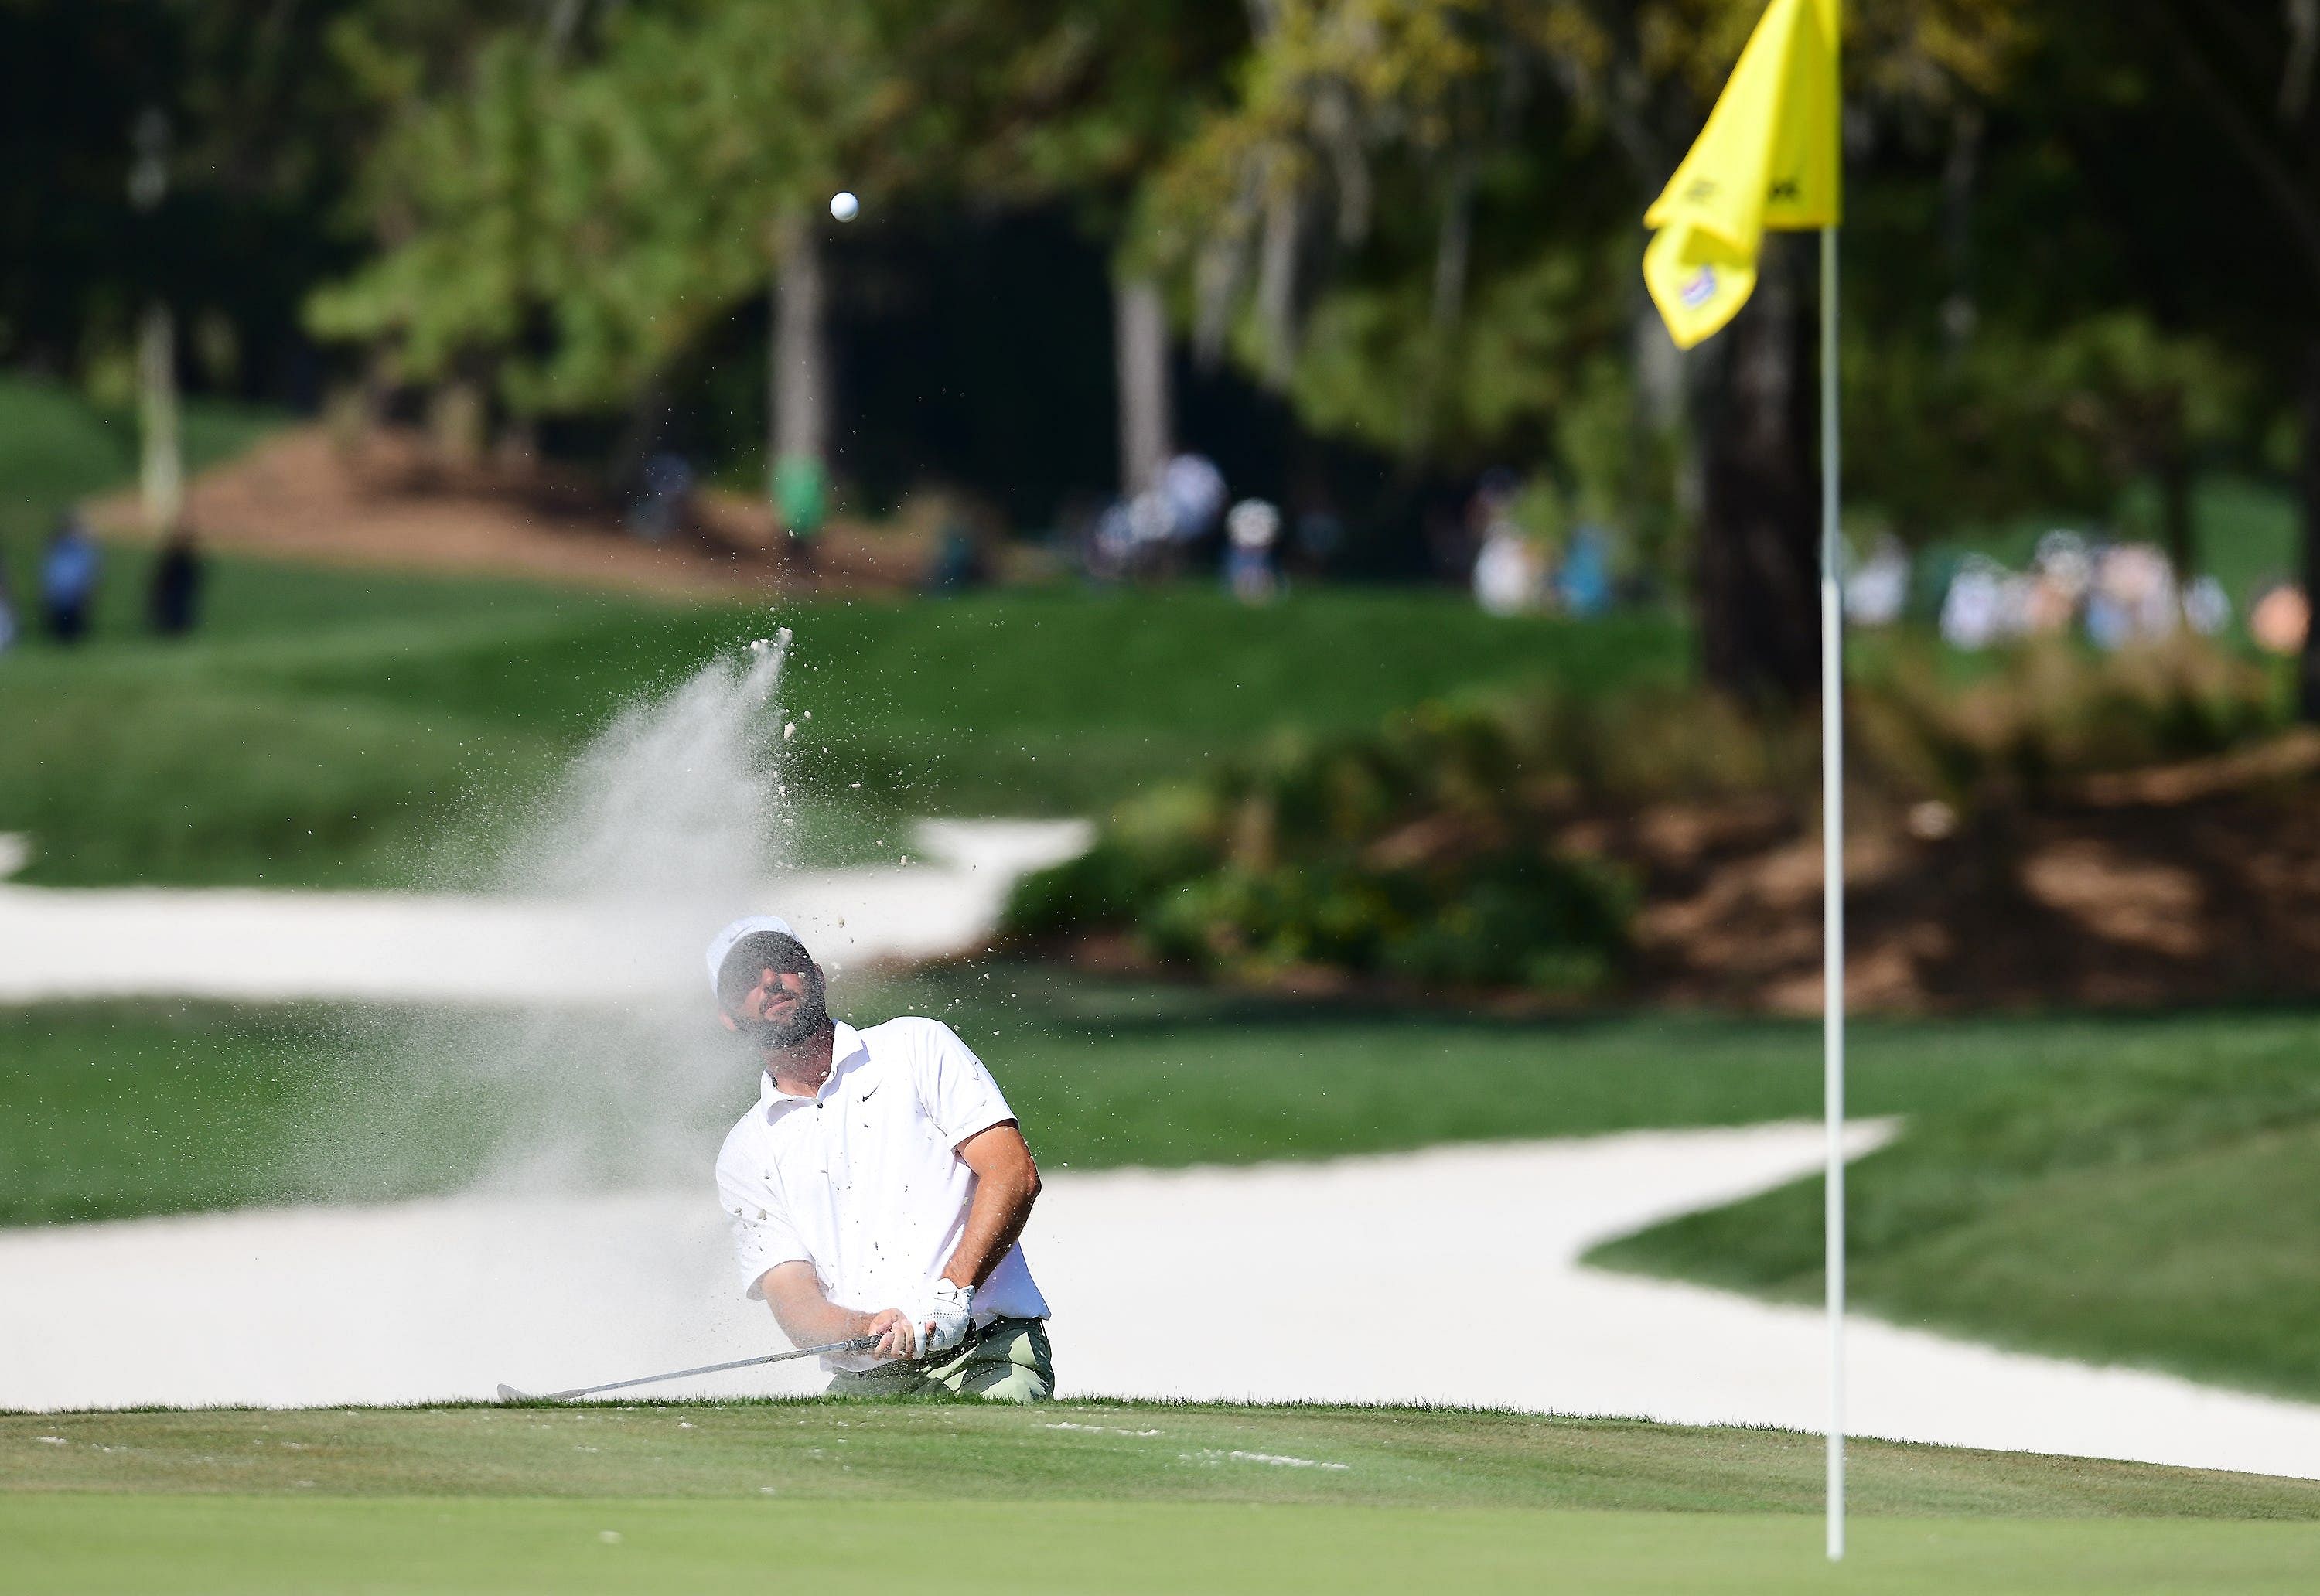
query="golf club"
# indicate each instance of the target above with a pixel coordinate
(509, 1394)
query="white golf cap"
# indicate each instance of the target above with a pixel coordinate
(748, 925)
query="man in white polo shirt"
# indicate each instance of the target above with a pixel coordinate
(878, 1187)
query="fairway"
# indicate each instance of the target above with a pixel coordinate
(116, 1110)
(1081, 1497)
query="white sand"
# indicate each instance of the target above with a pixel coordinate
(260, 944)
(1446, 1276)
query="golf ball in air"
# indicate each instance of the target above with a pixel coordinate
(844, 206)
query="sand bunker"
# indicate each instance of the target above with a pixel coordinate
(1267, 1281)
(443, 948)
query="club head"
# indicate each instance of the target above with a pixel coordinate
(509, 1394)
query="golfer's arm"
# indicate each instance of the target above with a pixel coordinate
(1006, 1184)
(807, 1318)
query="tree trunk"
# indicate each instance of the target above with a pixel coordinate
(801, 355)
(1140, 361)
(161, 473)
(1758, 562)
(2308, 482)
(1276, 283)
(1454, 244)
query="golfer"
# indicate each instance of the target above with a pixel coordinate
(877, 1188)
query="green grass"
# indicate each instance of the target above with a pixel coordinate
(345, 728)
(335, 727)
(109, 1109)
(116, 1109)
(130, 1108)
(1131, 1497)
(206, 761)
(2137, 1191)
(57, 448)
(68, 1546)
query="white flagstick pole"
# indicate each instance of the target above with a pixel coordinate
(1832, 809)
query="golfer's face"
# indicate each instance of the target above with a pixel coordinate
(775, 996)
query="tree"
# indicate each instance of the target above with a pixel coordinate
(2248, 67)
(1485, 164)
(1094, 98)
(575, 225)
(267, 121)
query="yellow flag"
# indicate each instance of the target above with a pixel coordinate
(1769, 157)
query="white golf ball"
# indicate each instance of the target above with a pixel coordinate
(844, 206)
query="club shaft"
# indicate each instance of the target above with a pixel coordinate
(859, 1344)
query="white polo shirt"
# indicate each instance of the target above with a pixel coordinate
(863, 1180)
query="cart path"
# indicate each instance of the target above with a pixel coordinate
(1245, 1283)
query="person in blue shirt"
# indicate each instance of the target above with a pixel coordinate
(8, 607)
(68, 573)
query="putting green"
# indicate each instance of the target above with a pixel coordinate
(821, 1495)
(65, 1544)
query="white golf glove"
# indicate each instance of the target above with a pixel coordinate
(942, 1315)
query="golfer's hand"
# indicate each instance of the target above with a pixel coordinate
(897, 1333)
(943, 1314)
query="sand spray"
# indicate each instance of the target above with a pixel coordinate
(672, 821)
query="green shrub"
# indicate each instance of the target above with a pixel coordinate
(2054, 711)
(1509, 918)
(1101, 890)
(1521, 919)
(1412, 853)
(1419, 851)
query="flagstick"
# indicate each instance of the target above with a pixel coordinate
(1832, 809)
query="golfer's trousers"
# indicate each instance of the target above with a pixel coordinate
(1006, 1361)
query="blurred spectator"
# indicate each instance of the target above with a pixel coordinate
(1877, 590)
(1320, 536)
(173, 601)
(1973, 611)
(1192, 490)
(2065, 561)
(68, 573)
(2025, 605)
(2279, 618)
(2063, 569)
(668, 490)
(958, 563)
(1109, 543)
(1251, 530)
(1151, 533)
(1583, 581)
(2206, 607)
(801, 501)
(2045, 606)
(8, 607)
(1509, 575)
(2132, 598)
(2129, 592)
(1455, 542)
